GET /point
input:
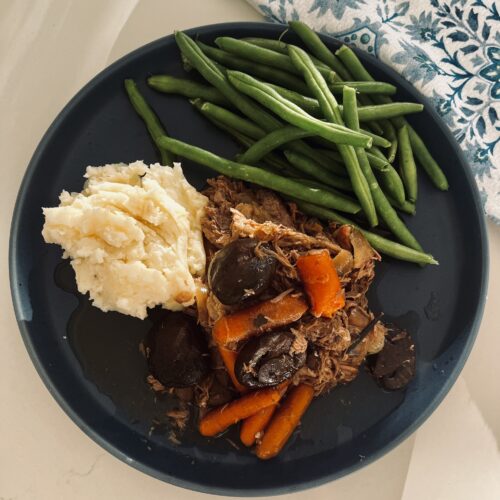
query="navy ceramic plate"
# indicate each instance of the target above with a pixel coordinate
(91, 363)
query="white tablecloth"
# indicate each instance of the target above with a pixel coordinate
(48, 50)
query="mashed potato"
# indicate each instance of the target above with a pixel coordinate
(133, 236)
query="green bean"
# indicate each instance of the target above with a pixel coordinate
(213, 74)
(365, 87)
(257, 176)
(218, 79)
(334, 155)
(407, 207)
(382, 88)
(267, 73)
(391, 182)
(313, 169)
(378, 161)
(308, 104)
(232, 120)
(153, 124)
(270, 161)
(330, 109)
(351, 61)
(281, 47)
(377, 139)
(376, 128)
(366, 100)
(368, 113)
(268, 43)
(420, 150)
(360, 73)
(188, 88)
(318, 185)
(389, 177)
(376, 157)
(294, 115)
(248, 128)
(314, 43)
(407, 164)
(272, 141)
(211, 112)
(384, 208)
(265, 56)
(384, 167)
(381, 244)
(390, 133)
(333, 165)
(381, 111)
(186, 65)
(426, 160)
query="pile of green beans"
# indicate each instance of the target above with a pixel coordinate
(331, 111)
(297, 115)
(289, 112)
(428, 163)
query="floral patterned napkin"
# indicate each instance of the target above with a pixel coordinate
(448, 49)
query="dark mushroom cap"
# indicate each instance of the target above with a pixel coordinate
(236, 272)
(268, 360)
(394, 366)
(177, 351)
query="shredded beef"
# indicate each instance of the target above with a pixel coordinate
(260, 205)
(238, 211)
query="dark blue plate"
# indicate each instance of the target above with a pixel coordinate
(90, 361)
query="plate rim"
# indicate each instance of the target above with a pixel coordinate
(17, 300)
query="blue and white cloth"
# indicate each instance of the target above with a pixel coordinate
(448, 49)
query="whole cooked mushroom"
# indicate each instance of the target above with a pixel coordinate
(177, 351)
(237, 272)
(269, 359)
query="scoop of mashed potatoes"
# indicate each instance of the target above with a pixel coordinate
(133, 236)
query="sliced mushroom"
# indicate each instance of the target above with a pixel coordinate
(394, 366)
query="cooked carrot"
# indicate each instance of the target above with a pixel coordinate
(255, 424)
(258, 318)
(321, 281)
(221, 418)
(229, 358)
(284, 421)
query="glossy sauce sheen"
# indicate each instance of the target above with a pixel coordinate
(108, 347)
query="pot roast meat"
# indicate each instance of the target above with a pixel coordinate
(283, 236)
(224, 194)
(236, 210)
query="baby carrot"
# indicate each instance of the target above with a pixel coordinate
(322, 284)
(258, 318)
(221, 418)
(229, 358)
(284, 421)
(255, 424)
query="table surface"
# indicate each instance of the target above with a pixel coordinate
(48, 50)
